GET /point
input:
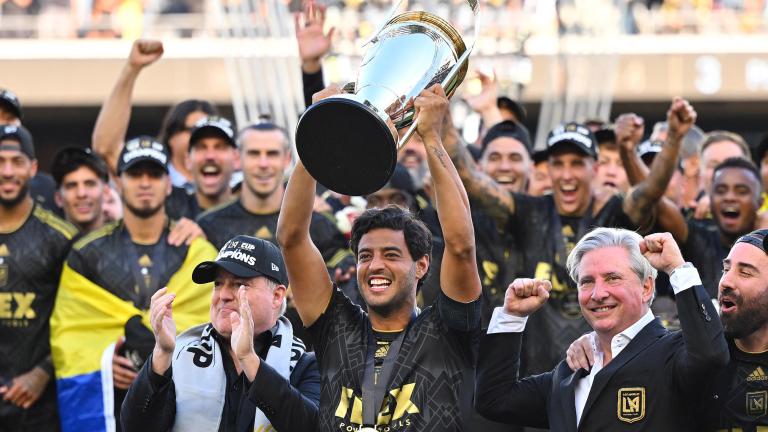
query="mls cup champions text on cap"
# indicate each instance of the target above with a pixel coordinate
(231, 251)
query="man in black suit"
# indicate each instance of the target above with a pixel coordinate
(644, 377)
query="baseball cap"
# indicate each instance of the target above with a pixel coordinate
(213, 126)
(245, 257)
(11, 102)
(142, 149)
(574, 134)
(504, 102)
(756, 238)
(70, 159)
(509, 129)
(21, 135)
(647, 150)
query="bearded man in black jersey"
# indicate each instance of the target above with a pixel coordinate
(392, 368)
(33, 245)
(97, 336)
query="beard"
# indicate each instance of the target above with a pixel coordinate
(751, 316)
(144, 212)
(400, 298)
(9, 203)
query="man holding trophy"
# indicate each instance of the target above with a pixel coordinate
(395, 367)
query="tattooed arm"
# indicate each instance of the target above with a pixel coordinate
(496, 201)
(458, 271)
(641, 201)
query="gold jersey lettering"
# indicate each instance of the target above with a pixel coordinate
(403, 405)
(23, 308)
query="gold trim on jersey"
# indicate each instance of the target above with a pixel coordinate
(104, 231)
(49, 218)
(217, 207)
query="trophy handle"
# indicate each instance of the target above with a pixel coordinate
(448, 78)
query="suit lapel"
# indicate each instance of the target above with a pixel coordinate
(568, 398)
(648, 335)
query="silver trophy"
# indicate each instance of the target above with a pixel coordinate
(345, 141)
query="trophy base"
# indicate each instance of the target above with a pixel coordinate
(346, 146)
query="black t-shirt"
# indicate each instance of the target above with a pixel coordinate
(132, 272)
(545, 239)
(182, 204)
(738, 400)
(438, 353)
(30, 266)
(706, 252)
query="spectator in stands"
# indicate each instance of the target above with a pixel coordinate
(98, 340)
(33, 245)
(82, 183)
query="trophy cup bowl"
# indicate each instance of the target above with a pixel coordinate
(346, 142)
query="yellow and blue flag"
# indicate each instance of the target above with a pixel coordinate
(86, 322)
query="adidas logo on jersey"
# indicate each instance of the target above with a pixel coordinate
(757, 375)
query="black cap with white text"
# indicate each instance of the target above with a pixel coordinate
(245, 257)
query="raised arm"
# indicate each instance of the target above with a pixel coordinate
(307, 275)
(629, 131)
(458, 272)
(496, 201)
(641, 200)
(112, 123)
(484, 103)
(705, 348)
(314, 44)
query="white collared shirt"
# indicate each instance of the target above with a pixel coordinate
(502, 322)
(618, 343)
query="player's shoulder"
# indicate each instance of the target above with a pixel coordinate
(217, 211)
(96, 237)
(54, 223)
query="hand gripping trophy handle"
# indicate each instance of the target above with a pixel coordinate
(346, 141)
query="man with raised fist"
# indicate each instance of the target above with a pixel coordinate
(644, 377)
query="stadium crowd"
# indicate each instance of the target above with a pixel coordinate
(200, 279)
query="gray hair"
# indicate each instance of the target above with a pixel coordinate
(609, 237)
(273, 284)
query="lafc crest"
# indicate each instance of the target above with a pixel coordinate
(631, 404)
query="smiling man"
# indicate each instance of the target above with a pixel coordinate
(545, 228)
(82, 186)
(735, 197)
(394, 367)
(97, 338)
(644, 377)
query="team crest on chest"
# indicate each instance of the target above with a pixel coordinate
(757, 403)
(631, 404)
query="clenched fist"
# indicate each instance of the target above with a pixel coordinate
(526, 296)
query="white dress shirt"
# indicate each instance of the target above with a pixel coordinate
(501, 322)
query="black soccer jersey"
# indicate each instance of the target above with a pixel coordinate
(224, 222)
(545, 239)
(738, 401)
(133, 272)
(498, 261)
(706, 252)
(438, 353)
(30, 265)
(182, 204)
